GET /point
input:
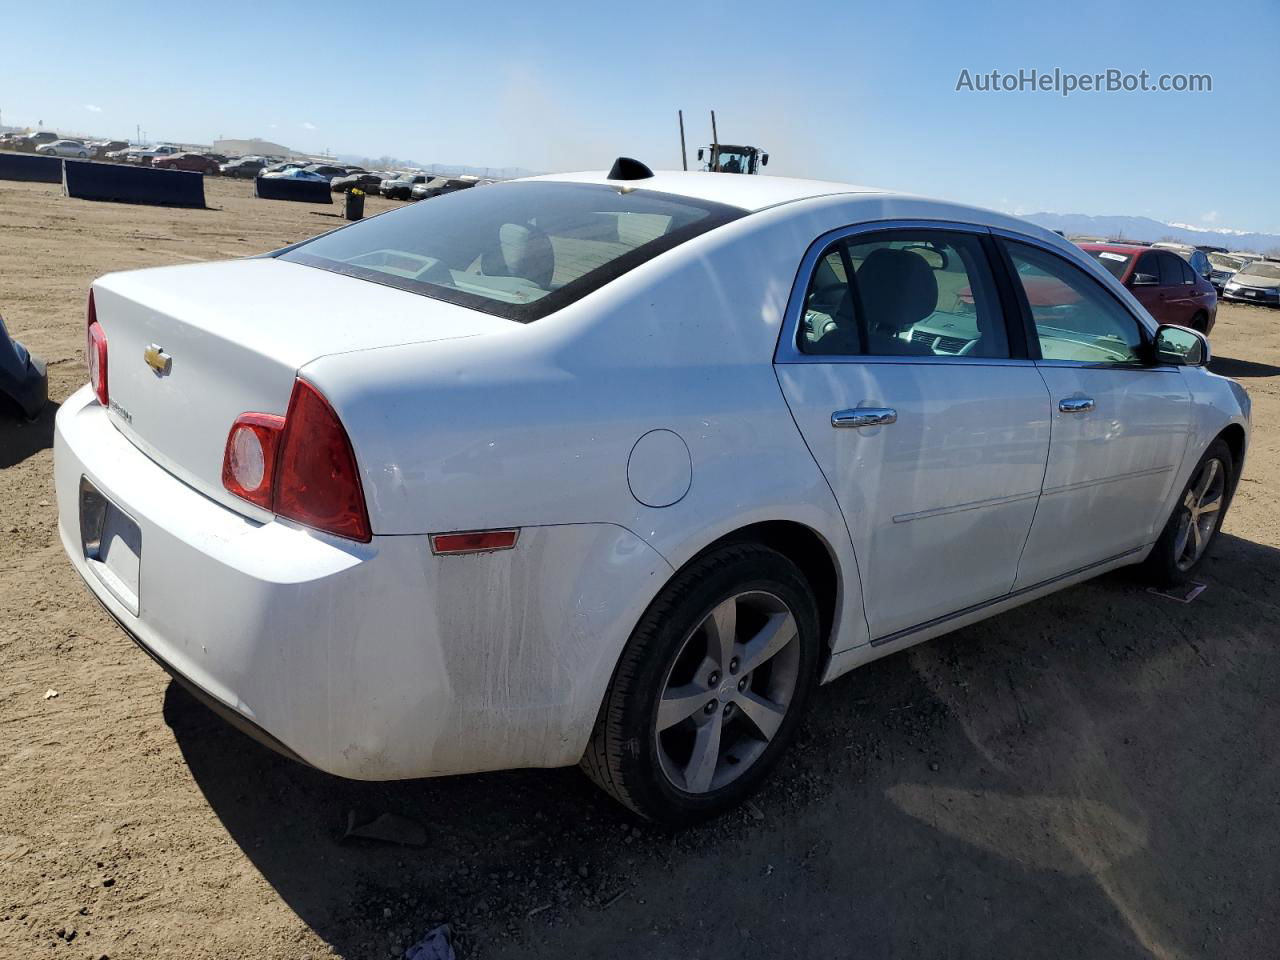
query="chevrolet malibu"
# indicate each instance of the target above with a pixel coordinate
(613, 469)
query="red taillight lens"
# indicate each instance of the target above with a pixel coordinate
(249, 462)
(317, 482)
(95, 354)
(300, 466)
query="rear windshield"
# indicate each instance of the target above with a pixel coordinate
(1116, 263)
(514, 250)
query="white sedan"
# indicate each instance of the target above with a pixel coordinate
(613, 469)
(64, 148)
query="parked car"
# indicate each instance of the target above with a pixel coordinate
(438, 186)
(296, 173)
(43, 136)
(1161, 281)
(1197, 258)
(1256, 282)
(17, 142)
(283, 165)
(243, 167)
(1225, 265)
(64, 148)
(368, 182)
(196, 162)
(326, 170)
(398, 188)
(99, 149)
(24, 379)
(143, 156)
(569, 490)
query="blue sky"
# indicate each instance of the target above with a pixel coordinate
(856, 91)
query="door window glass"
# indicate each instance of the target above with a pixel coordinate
(1075, 319)
(1149, 269)
(1170, 270)
(918, 293)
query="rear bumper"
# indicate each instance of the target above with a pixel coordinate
(371, 661)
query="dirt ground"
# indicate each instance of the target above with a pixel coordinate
(1094, 775)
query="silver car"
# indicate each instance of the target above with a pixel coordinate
(1256, 282)
(64, 148)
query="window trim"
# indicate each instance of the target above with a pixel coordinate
(788, 350)
(1145, 327)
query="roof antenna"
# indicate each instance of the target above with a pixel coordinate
(684, 157)
(625, 168)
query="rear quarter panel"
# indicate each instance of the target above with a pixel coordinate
(535, 425)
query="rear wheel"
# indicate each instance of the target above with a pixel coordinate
(709, 688)
(1200, 322)
(1196, 519)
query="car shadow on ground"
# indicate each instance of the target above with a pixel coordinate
(1091, 775)
(21, 438)
(1229, 367)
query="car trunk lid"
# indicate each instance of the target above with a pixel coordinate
(190, 348)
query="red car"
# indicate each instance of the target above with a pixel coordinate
(196, 162)
(1162, 282)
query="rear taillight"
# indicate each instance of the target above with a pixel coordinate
(95, 353)
(299, 466)
(249, 462)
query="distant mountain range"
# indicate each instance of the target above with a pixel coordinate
(1144, 228)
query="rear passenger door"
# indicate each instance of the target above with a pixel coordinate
(1120, 423)
(929, 422)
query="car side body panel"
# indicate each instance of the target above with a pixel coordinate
(538, 424)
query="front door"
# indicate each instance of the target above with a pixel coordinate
(1120, 425)
(932, 435)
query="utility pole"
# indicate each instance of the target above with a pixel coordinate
(715, 145)
(137, 135)
(684, 157)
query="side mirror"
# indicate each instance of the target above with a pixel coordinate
(764, 160)
(1144, 280)
(1181, 346)
(699, 153)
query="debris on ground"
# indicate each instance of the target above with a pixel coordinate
(50, 693)
(436, 945)
(1183, 593)
(388, 828)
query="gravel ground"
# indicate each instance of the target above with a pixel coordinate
(1093, 775)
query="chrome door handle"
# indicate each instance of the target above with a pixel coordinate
(1076, 404)
(864, 417)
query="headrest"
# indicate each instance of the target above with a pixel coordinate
(897, 288)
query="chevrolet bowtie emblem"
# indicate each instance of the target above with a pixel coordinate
(157, 359)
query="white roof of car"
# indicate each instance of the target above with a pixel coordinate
(747, 191)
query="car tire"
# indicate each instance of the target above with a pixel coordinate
(1200, 322)
(1191, 528)
(732, 646)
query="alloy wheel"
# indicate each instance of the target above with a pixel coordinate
(1198, 516)
(727, 692)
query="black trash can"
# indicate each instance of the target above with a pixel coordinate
(355, 204)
